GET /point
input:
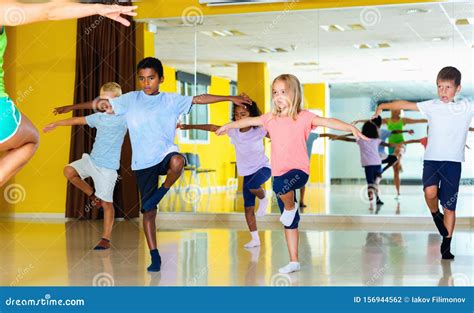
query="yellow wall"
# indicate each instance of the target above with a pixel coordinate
(183, 8)
(315, 97)
(40, 75)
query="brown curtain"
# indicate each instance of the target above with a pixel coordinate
(105, 53)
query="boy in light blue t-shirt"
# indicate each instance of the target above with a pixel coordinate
(102, 163)
(151, 118)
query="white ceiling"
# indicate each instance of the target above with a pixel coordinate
(409, 35)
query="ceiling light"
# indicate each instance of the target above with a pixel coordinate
(363, 46)
(356, 27)
(222, 65)
(395, 59)
(306, 64)
(415, 11)
(333, 28)
(223, 33)
(332, 73)
(463, 22)
(268, 50)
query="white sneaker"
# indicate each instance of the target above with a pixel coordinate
(252, 244)
(290, 268)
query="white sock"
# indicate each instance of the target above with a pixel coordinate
(254, 254)
(262, 207)
(255, 242)
(288, 216)
(290, 268)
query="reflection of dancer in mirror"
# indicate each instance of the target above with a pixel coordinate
(370, 158)
(309, 145)
(395, 124)
(19, 138)
(448, 121)
(289, 159)
(102, 163)
(252, 164)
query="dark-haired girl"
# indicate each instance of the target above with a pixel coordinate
(370, 158)
(252, 164)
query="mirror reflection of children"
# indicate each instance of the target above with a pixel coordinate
(395, 130)
(19, 138)
(370, 158)
(252, 164)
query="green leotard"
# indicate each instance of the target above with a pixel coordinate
(10, 117)
(395, 138)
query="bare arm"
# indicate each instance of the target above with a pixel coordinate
(67, 122)
(396, 105)
(344, 139)
(101, 105)
(241, 100)
(410, 141)
(206, 127)
(471, 129)
(18, 13)
(246, 122)
(414, 121)
(337, 125)
(410, 131)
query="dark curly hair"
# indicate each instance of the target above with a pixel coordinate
(370, 130)
(252, 109)
(377, 121)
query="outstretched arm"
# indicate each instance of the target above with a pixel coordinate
(410, 131)
(414, 120)
(410, 141)
(101, 105)
(206, 127)
(246, 122)
(241, 100)
(396, 105)
(67, 122)
(471, 129)
(343, 139)
(18, 13)
(337, 125)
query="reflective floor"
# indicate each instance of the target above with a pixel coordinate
(40, 252)
(343, 199)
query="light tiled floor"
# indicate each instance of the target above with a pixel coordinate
(335, 199)
(44, 252)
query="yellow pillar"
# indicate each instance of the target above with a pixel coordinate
(316, 98)
(253, 79)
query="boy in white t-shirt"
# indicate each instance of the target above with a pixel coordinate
(448, 120)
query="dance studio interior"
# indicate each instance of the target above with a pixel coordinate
(349, 57)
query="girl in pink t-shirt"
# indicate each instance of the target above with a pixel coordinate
(252, 164)
(289, 127)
